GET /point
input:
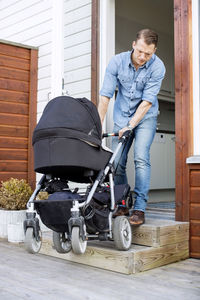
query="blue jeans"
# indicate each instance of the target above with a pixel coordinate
(143, 134)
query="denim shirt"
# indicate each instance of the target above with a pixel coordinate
(133, 86)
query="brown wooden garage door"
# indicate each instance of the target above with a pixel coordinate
(18, 88)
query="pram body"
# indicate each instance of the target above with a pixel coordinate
(67, 144)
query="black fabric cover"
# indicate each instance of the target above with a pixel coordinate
(70, 117)
(67, 140)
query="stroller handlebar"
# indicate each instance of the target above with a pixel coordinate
(110, 134)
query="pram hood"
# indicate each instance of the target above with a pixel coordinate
(67, 140)
(72, 118)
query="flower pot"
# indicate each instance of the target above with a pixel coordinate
(10, 217)
(16, 233)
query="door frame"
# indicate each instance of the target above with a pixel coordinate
(183, 103)
(183, 94)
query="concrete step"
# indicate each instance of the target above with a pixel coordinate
(156, 243)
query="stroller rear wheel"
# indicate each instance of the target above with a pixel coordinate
(61, 242)
(78, 244)
(32, 244)
(122, 233)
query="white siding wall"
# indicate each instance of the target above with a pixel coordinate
(30, 23)
(77, 47)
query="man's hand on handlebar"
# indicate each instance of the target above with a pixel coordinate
(121, 131)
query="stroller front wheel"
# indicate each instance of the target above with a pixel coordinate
(78, 245)
(61, 242)
(32, 244)
(122, 233)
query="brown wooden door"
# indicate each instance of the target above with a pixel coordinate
(18, 87)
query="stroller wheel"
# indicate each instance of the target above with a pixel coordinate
(32, 244)
(61, 242)
(78, 245)
(122, 233)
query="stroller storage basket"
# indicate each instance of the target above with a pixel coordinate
(97, 212)
(56, 210)
(96, 217)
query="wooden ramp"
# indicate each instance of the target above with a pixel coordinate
(156, 243)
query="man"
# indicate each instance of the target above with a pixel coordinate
(138, 74)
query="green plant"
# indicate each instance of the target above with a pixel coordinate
(14, 194)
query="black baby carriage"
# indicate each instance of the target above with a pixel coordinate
(68, 148)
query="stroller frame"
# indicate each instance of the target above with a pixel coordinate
(119, 228)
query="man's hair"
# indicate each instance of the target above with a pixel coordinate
(149, 36)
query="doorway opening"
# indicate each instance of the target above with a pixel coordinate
(130, 17)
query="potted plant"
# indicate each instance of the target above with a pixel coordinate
(14, 195)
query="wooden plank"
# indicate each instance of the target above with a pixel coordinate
(12, 119)
(79, 37)
(178, 105)
(6, 176)
(174, 234)
(20, 154)
(13, 166)
(14, 85)
(16, 143)
(103, 258)
(145, 235)
(32, 115)
(13, 108)
(195, 211)
(195, 195)
(14, 96)
(183, 104)
(74, 5)
(158, 233)
(23, 12)
(18, 99)
(194, 167)
(195, 245)
(14, 74)
(137, 259)
(195, 178)
(75, 27)
(155, 257)
(14, 51)
(11, 131)
(78, 75)
(14, 62)
(195, 228)
(194, 254)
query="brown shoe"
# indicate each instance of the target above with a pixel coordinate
(137, 218)
(121, 211)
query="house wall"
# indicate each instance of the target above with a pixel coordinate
(30, 23)
(77, 47)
